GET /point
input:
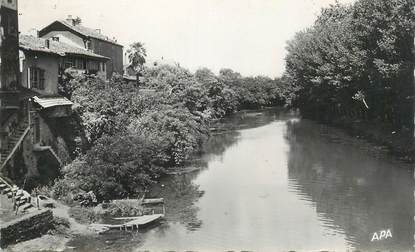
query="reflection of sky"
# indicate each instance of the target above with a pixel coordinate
(249, 205)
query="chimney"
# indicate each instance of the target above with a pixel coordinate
(70, 20)
(98, 31)
(47, 43)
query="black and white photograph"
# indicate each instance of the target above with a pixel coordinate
(207, 125)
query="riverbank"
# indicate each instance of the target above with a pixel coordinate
(65, 228)
(399, 144)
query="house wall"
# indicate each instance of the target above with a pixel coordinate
(112, 51)
(101, 71)
(50, 64)
(66, 37)
(29, 164)
(101, 47)
(9, 51)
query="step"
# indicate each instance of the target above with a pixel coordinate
(26, 206)
(7, 190)
(3, 186)
(5, 154)
(20, 202)
(24, 198)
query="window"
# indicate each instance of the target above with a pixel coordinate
(88, 45)
(80, 64)
(102, 66)
(37, 78)
(93, 66)
(69, 62)
(11, 26)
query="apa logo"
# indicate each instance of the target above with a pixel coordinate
(381, 235)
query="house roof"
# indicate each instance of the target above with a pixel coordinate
(31, 43)
(84, 31)
(48, 102)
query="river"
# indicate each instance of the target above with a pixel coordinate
(274, 182)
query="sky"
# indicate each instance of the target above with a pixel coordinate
(248, 36)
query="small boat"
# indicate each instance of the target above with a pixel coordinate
(135, 223)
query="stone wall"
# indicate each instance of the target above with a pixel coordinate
(25, 228)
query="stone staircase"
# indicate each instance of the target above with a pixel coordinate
(14, 141)
(20, 198)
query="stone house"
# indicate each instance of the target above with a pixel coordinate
(14, 125)
(33, 144)
(41, 54)
(73, 33)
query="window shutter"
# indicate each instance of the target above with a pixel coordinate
(41, 79)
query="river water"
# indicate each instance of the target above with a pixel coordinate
(274, 182)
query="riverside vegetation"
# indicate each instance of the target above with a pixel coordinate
(125, 136)
(354, 67)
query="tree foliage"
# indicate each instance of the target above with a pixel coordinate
(136, 133)
(137, 54)
(363, 48)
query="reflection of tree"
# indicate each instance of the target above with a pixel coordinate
(353, 192)
(247, 119)
(180, 195)
(226, 131)
(218, 143)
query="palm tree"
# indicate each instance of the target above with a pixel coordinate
(136, 55)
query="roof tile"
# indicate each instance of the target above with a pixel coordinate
(31, 43)
(88, 32)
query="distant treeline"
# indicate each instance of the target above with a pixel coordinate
(134, 132)
(356, 62)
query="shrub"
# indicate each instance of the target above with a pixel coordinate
(177, 132)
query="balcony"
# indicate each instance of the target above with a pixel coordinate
(54, 106)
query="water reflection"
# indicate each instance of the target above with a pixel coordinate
(354, 193)
(180, 194)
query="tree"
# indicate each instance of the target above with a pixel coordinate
(116, 167)
(365, 47)
(137, 54)
(77, 21)
(176, 131)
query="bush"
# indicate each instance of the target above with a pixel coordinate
(176, 131)
(115, 167)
